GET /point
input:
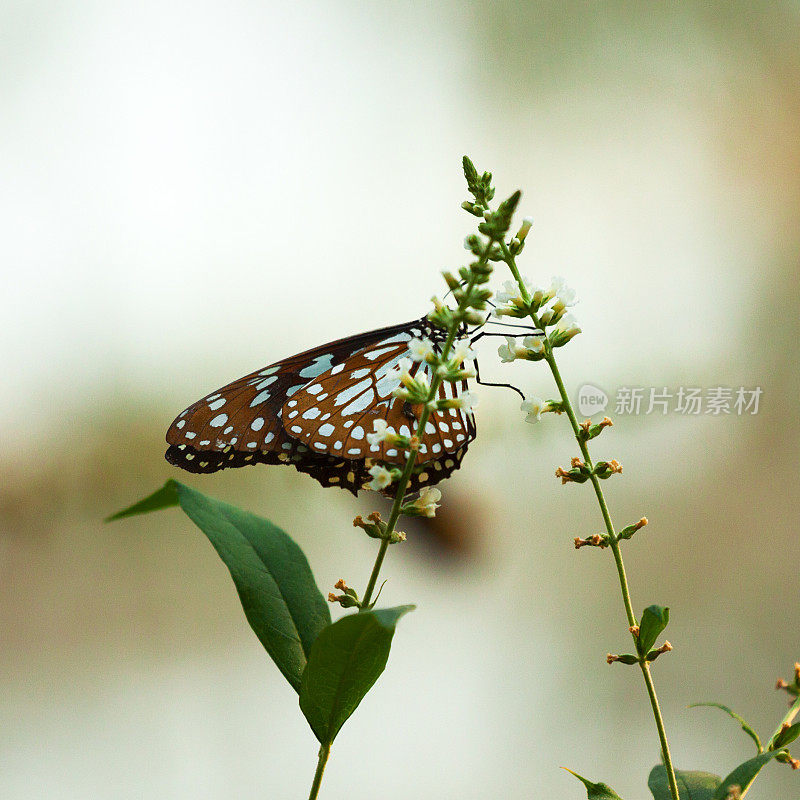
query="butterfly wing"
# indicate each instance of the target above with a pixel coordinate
(239, 424)
(255, 419)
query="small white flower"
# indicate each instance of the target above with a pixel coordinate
(534, 343)
(534, 408)
(462, 351)
(421, 350)
(422, 380)
(546, 317)
(527, 223)
(512, 293)
(383, 433)
(468, 401)
(508, 351)
(428, 501)
(563, 294)
(381, 478)
(401, 372)
(566, 296)
(568, 324)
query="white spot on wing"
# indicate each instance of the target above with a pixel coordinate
(259, 398)
(373, 354)
(311, 413)
(360, 403)
(217, 404)
(326, 430)
(319, 365)
(348, 394)
(219, 421)
(257, 424)
(357, 432)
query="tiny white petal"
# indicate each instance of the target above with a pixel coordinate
(381, 478)
(534, 407)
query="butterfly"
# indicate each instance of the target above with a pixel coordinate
(313, 411)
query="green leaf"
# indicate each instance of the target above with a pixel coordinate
(165, 497)
(744, 774)
(345, 661)
(746, 727)
(596, 791)
(691, 785)
(654, 620)
(276, 587)
(786, 737)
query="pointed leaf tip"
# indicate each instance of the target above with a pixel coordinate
(165, 497)
(595, 791)
(345, 661)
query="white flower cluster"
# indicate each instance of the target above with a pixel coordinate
(416, 389)
(532, 349)
(550, 303)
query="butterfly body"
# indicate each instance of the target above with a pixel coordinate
(314, 410)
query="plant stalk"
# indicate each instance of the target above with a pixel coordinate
(324, 752)
(613, 540)
(405, 477)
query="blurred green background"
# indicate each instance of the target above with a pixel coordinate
(189, 191)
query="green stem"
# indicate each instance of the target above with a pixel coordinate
(405, 477)
(613, 539)
(324, 752)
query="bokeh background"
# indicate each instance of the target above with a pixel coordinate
(189, 191)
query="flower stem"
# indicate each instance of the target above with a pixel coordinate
(324, 752)
(613, 539)
(405, 477)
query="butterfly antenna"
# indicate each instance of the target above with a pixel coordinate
(512, 325)
(534, 331)
(499, 385)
